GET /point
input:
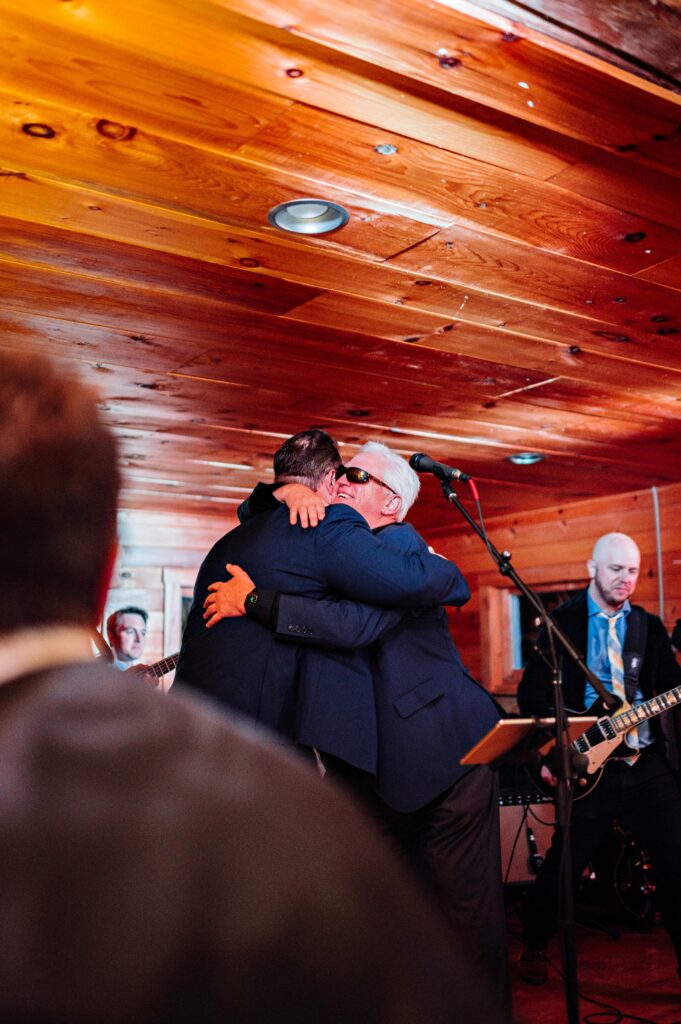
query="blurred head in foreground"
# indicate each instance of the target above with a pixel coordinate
(59, 484)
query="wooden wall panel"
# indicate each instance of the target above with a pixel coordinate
(150, 543)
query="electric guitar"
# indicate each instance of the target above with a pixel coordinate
(604, 740)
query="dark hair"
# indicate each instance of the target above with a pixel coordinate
(112, 621)
(59, 484)
(306, 458)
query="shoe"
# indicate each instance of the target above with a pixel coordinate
(533, 966)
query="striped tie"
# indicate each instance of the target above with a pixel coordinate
(617, 670)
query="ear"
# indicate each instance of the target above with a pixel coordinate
(591, 568)
(328, 487)
(392, 506)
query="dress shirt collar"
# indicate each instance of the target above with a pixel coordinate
(595, 609)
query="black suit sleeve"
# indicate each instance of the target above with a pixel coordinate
(266, 609)
(660, 660)
(261, 499)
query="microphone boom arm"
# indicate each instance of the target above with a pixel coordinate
(503, 560)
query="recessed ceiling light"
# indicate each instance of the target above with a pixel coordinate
(308, 216)
(526, 458)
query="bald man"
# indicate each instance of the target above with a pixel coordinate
(629, 650)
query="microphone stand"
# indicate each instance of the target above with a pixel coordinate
(565, 762)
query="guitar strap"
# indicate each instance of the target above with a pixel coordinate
(634, 649)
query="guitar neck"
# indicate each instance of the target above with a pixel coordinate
(655, 706)
(160, 668)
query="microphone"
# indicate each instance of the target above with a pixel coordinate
(424, 464)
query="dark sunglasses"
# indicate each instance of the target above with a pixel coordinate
(356, 475)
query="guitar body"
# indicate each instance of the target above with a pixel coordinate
(602, 742)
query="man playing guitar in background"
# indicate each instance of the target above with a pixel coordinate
(629, 650)
(126, 631)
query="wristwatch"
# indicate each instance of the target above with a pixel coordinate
(251, 599)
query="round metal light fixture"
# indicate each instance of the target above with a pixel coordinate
(526, 458)
(308, 216)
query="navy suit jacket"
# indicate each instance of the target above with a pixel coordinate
(251, 670)
(430, 711)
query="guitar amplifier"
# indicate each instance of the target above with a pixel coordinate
(526, 822)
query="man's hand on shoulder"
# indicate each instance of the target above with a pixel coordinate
(226, 599)
(305, 506)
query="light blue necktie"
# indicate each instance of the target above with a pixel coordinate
(617, 670)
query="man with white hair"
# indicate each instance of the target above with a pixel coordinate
(629, 650)
(442, 816)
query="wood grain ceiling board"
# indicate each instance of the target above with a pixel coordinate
(450, 51)
(153, 169)
(667, 273)
(509, 278)
(123, 87)
(196, 37)
(594, 362)
(83, 295)
(558, 433)
(88, 256)
(395, 365)
(645, 38)
(174, 399)
(645, 311)
(56, 335)
(626, 186)
(451, 189)
(472, 258)
(234, 289)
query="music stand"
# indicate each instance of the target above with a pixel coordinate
(516, 740)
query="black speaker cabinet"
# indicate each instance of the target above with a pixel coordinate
(526, 831)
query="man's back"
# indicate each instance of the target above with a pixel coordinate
(150, 873)
(231, 662)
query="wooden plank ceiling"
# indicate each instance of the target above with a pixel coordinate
(509, 279)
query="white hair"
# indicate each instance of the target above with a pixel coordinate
(397, 474)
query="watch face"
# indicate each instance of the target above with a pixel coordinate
(252, 598)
